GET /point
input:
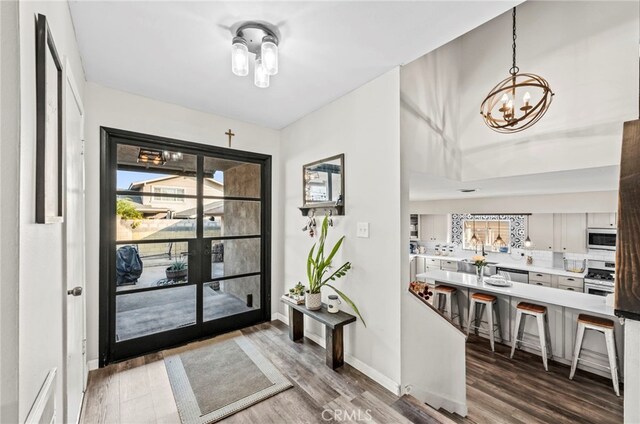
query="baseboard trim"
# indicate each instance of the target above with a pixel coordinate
(373, 374)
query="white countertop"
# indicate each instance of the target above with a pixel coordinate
(521, 266)
(580, 301)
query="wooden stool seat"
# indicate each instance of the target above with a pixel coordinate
(483, 297)
(597, 321)
(481, 302)
(539, 312)
(531, 307)
(445, 289)
(444, 297)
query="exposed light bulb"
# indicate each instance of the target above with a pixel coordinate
(527, 242)
(504, 99)
(526, 97)
(260, 76)
(269, 54)
(239, 57)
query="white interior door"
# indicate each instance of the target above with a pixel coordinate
(75, 366)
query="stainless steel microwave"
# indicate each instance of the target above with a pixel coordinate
(601, 238)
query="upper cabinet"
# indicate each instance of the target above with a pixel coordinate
(570, 232)
(414, 227)
(434, 228)
(541, 231)
(602, 220)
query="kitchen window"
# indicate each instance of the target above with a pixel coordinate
(169, 190)
(486, 232)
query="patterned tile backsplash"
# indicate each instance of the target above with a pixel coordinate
(517, 225)
(542, 258)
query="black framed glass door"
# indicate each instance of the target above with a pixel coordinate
(185, 242)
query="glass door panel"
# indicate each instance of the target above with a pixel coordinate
(149, 265)
(154, 311)
(231, 218)
(238, 179)
(231, 297)
(234, 257)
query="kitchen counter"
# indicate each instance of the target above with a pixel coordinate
(520, 266)
(565, 298)
(563, 309)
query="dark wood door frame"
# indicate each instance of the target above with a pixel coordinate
(109, 138)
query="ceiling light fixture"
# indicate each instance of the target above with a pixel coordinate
(499, 109)
(262, 41)
(474, 239)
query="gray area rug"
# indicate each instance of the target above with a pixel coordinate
(220, 378)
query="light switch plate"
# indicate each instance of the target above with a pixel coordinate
(363, 229)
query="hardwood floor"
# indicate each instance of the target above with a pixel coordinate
(138, 391)
(499, 390)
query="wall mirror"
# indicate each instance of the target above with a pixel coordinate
(323, 185)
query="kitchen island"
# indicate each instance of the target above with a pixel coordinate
(563, 309)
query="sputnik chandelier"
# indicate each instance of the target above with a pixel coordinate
(499, 109)
(262, 41)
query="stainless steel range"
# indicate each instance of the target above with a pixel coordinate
(600, 278)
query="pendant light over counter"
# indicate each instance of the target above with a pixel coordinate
(501, 109)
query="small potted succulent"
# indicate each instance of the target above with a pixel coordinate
(178, 270)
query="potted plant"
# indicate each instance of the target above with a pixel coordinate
(177, 271)
(319, 275)
(480, 262)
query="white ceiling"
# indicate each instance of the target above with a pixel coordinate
(179, 52)
(430, 187)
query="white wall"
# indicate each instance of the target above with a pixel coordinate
(117, 109)
(364, 125)
(42, 289)
(594, 202)
(9, 207)
(430, 104)
(588, 51)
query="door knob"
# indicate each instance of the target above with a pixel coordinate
(76, 291)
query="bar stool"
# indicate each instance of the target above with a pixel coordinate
(605, 326)
(484, 301)
(447, 293)
(525, 309)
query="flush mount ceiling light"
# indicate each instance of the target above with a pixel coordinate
(499, 109)
(262, 41)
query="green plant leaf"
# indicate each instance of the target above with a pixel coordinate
(335, 250)
(349, 301)
(310, 262)
(340, 272)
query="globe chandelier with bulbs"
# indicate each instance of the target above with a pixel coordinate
(261, 40)
(499, 109)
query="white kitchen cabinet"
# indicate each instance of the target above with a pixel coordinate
(541, 231)
(602, 220)
(434, 228)
(448, 265)
(570, 232)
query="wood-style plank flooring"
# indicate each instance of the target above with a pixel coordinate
(138, 391)
(518, 390)
(499, 390)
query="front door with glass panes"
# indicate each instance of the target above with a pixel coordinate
(186, 241)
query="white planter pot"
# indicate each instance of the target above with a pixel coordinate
(313, 301)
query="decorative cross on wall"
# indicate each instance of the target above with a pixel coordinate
(230, 134)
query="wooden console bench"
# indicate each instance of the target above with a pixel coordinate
(334, 344)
